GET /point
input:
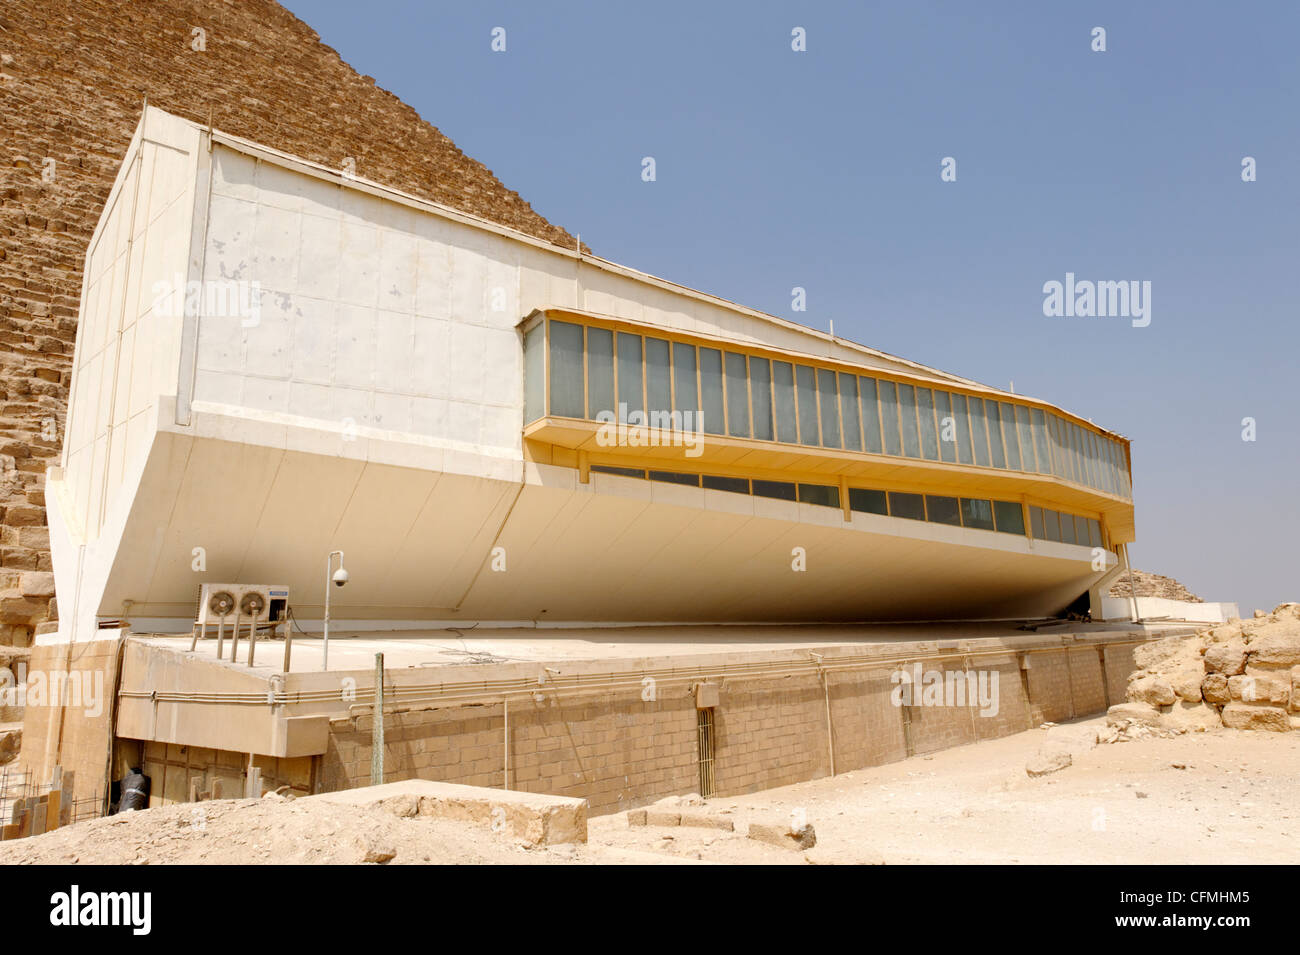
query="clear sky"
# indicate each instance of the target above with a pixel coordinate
(821, 169)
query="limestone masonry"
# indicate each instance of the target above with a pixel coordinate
(73, 76)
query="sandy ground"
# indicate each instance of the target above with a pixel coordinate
(1217, 797)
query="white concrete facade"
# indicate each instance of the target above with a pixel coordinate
(351, 377)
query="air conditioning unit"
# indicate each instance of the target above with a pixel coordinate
(247, 603)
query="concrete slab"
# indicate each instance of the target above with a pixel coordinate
(535, 818)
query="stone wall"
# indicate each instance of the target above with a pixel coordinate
(1244, 674)
(73, 78)
(620, 752)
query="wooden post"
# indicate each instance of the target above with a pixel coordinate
(377, 719)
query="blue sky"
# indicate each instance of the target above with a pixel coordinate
(821, 169)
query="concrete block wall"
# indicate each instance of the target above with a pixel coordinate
(78, 737)
(172, 768)
(619, 752)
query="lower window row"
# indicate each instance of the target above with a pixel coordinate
(1007, 517)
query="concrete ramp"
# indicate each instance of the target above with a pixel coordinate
(534, 818)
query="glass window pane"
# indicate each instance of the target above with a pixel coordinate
(979, 431)
(1008, 416)
(1094, 532)
(629, 372)
(1009, 517)
(777, 489)
(822, 494)
(1072, 445)
(867, 501)
(1036, 522)
(658, 383)
(736, 485)
(1108, 465)
(925, 413)
(910, 506)
(961, 422)
(1051, 526)
(977, 514)
(849, 412)
(947, 426)
(760, 386)
(737, 396)
(942, 510)
(1040, 442)
(685, 392)
(828, 401)
(907, 420)
(805, 381)
(1067, 528)
(783, 388)
(1071, 454)
(1026, 438)
(889, 417)
(870, 416)
(1059, 464)
(994, 418)
(535, 373)
(1094, 460)
(714, 419)
(675, 477)
(600, 371)
(566, 369)
(621, 472)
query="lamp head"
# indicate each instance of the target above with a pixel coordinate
(340, 577)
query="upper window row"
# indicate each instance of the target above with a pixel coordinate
(643, 380)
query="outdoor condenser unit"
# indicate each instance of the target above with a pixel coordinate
(250, 603)
(251, 606)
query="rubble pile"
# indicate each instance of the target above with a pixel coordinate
(1244, 674)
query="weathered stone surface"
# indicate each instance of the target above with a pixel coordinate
(1226, 658)
(375, 851)
(1245, 716)
(1148, 656)
(1274, 649)
(1048, 761)
(1215, 688)
(636, 817)
(1251, 688)
(1151, 689)
(660, 817)
(532, 818)
(1186, 683)
(1136, 711)
(706, 821)
(11, 741)
(36, 584)
(783, 836)
(1191, 716)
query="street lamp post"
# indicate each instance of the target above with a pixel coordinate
(338, 578)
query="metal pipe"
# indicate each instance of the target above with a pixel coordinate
(234, 639)
(377, 724)
(325, 642)
(505, 738)
(288, 639)
(221, 634)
